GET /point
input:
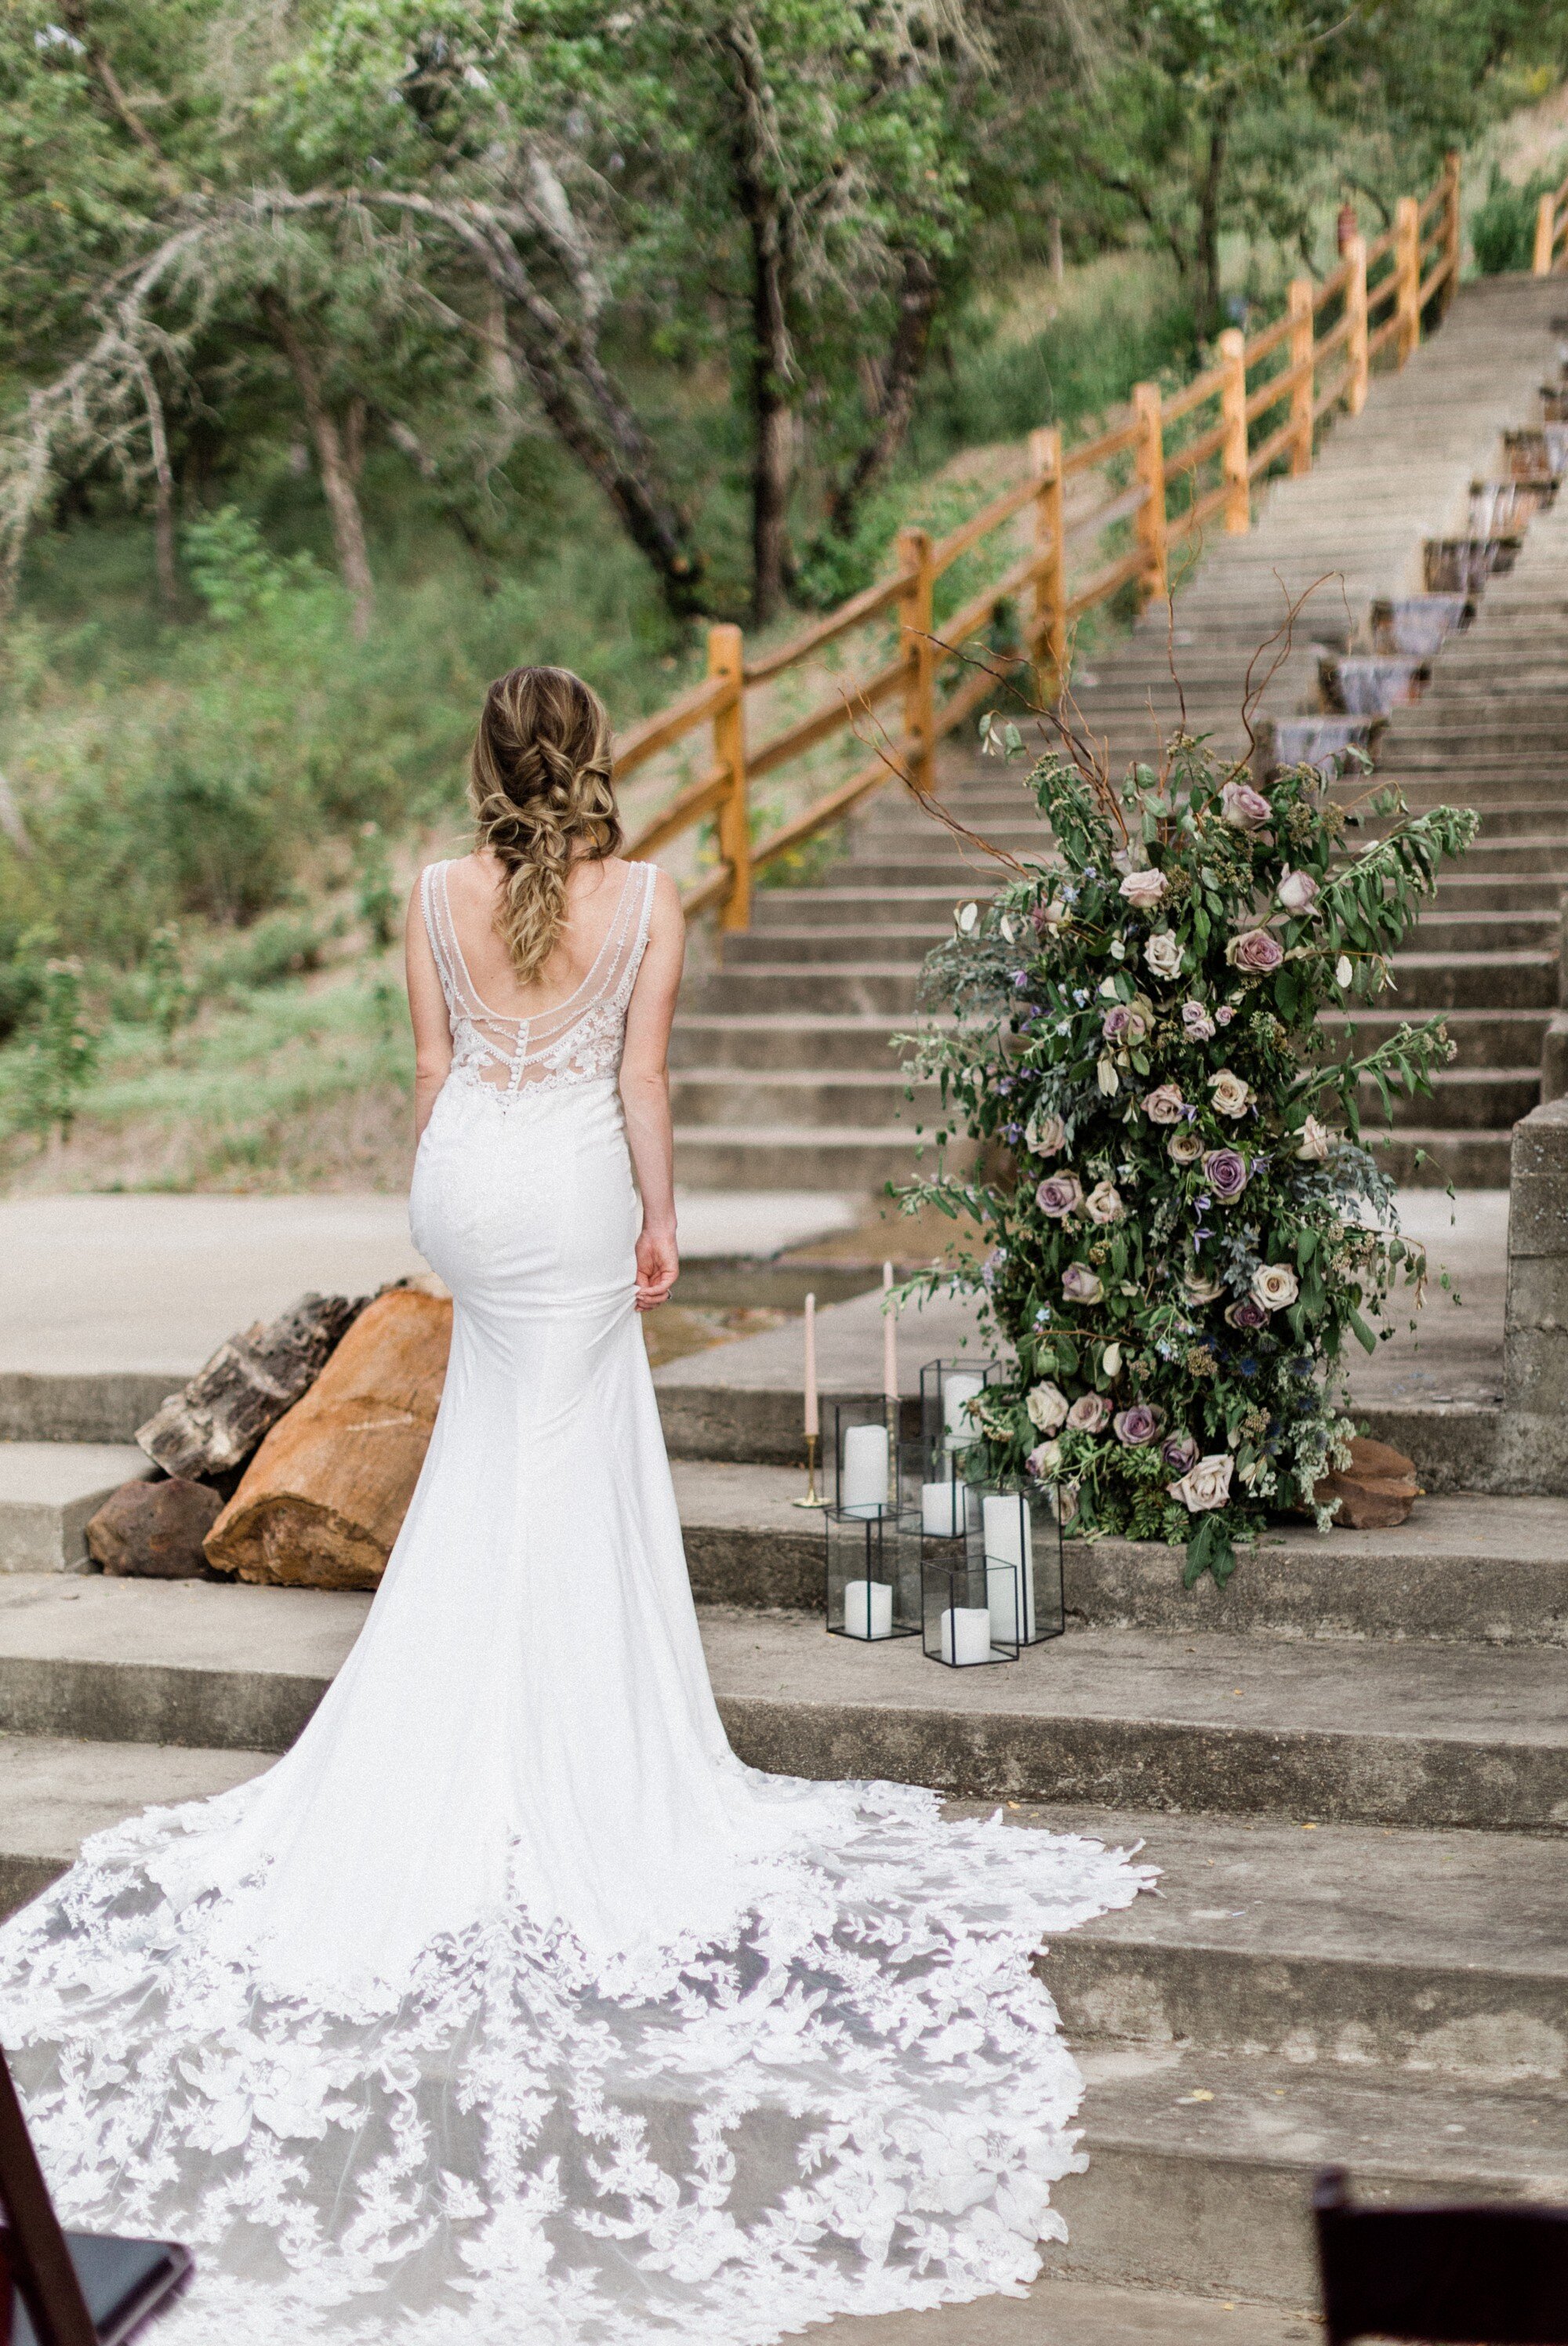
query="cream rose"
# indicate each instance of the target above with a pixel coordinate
(1315, 1142)
(1046, 1136)
(1201, 1286)
(1047, 1406)
(1165, 1104)
(1274, 1286)
(1185, 1148)
(1082, 1285)
(1204, 1485)
(1162, 955)
(1231, 1096)
(1089, 1414)
(1104, 1203)
(1045, 1462)
(1142, 888)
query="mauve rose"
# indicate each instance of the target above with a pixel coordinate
(1045, 1135)
(1247, 1313)
(1059, 1194)
(1089, 1414)
(1298, 891)
(1143, 887)
(1196, 1023)
(1254, 950)
(1224, 1171)
(1243, 809)
(1204, 1485)
(1165, 1104)
(1104, 1203)
(1137, 1426)
(1184, 1147)
(1162, 955)
(1114, 1025)
(1080, 1284)
(1180, 1453)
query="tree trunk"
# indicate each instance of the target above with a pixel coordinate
(163, 494)
(1207, 257)
(214, 1423)
(771, 369)
(337, 482)
(918, 296)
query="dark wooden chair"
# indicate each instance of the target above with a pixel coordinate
(68, 2289)
(1474, 2276)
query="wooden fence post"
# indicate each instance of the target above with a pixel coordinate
(915, 643)
(727, 658)
(1408, 275)
(1452, 167)
(1356, 311)
(1151, 460)
(1233, 415)
(1545, 234)
(1298, 303)
(1048, 635)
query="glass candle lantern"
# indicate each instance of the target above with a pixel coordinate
(945, 1389)
(873, 1567)
(961, 1599)
(865, 1478)
(1020, 1549)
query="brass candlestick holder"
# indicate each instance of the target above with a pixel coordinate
(810, 1499)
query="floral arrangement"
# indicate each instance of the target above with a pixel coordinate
(1185, 1227)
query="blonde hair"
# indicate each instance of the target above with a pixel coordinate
(540, 788)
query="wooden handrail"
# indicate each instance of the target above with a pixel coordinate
(1218, 464)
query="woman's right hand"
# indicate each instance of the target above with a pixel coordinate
(658, 1267)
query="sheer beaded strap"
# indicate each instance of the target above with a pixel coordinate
(573, 1041)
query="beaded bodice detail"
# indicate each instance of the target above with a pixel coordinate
(574, 1042)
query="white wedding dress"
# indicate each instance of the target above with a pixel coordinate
(510, 2005)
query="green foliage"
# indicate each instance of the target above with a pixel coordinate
(59, 1051)
(1502, 228)
(375, 896)
(1186, 1247)
(233, 570)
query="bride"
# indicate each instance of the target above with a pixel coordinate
(510, 2005)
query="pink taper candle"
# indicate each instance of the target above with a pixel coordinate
(890, 1337)
(813, 1421)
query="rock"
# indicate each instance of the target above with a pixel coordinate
(324, 1498)
(215, 1423)
(154, 1531)
(1376, 1491)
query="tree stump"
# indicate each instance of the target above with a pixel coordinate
(324, 1498)
(154, 1531)
(1376, 1491)
(214, 1424)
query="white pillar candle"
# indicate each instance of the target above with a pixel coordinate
(958, 1389)
(966, 1635)
(942, 1509)
(1010, 1545)
(863, 1486)
(813, 1421)
(868, 1609)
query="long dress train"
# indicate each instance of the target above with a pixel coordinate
(509, 2004)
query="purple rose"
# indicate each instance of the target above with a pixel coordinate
(1059, 1194)
(1196, 1023)
(1137, 1426)
(1224, 1171)
(1180, 1453)
(1242, 809)
(1254, 950)
(1247, 1313)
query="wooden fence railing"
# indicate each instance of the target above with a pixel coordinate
(1178, 464)
(1551, 232)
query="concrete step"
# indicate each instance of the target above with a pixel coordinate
(1202, 2162)
(862, 903)
(49, 1491)
(816, 945)
(1482, 1039)
(1465, 1100)
(718, 1099)
(54, 1791)
(864, 988)
(844, 1157)
(1426, 1157)
(799, 1041)
(1501, 980)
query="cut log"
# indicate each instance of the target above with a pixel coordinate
(154, 1531)
(324, 1498)
(215, 1423)
(1376, 1491)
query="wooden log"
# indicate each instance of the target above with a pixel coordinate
(1376, 1491)
(154, 1531)
(214, 1424)
(324, 1498)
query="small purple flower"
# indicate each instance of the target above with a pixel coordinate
(1137, 1426)
(1224, 1171)
(1180, 1453)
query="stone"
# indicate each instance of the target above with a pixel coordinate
(214, 1423)
(325, 1495)
(154, 1531)
(1375, 1490)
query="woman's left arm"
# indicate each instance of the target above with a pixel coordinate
(645, 1092)
(427, 1011)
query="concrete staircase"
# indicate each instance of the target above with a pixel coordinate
(785, 1070)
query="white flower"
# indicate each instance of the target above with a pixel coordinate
(1143, 887)
(1231, 1096)
(1110, 1360)
(1274, 1286)
(1105, 1076)
(1343, 972)
(966, 918)
(1185, 1148)
(1315, 1142)
(1053, 914)
(1104, 1203)
(1046, 1136)
(1047, 1406)
(1204, 1485)
(1110, 991)
(1201, 1286)
(1297, 891)
(1162, 955)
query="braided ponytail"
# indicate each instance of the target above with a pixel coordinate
(539, 785)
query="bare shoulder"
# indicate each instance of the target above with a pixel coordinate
(667, 907)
